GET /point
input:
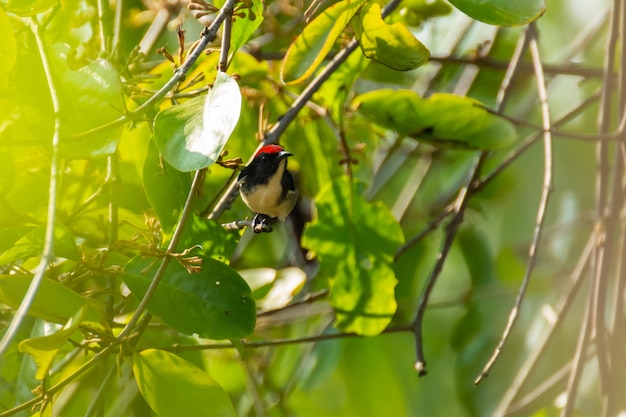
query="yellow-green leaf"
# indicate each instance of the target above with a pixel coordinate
(174, 387)
(44, 349)
(316, 40)
(392, 45)
(502, 12)
(8, 44)
(441, 119)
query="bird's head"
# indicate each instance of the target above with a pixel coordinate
(264, 164)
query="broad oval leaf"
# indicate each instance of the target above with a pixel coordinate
(192, 135)
(215, 303)
(355, 241)
(316, 40)
(174, 387)
(502, 12)
(441, 119)
(54, 301)
(391, 45)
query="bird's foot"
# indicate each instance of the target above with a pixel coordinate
(260, 223)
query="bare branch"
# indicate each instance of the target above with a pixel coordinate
(543, 203)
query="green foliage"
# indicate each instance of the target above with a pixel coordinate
(214, 303)
(44, 349)
(392, 45)
(150, 304)
(54, 302)
(355, 242)
(502, 12)
(308, 51)
(162, 375)
(442, 119)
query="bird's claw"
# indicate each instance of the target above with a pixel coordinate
(260, 224)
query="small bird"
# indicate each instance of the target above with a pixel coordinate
(267, 187)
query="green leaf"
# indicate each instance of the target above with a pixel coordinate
(166, 188)
(44, 349)
(215, 303)
(392, 45)
(173, 387)
(8, 44)
(192, 135)
(309, 49)
(415, 12)
(31, 245)
(355, 242)
(335, 90)
(54, 301)
(89, 97)
(244, 27)
(29, 7)
(502, 12)
(215, 240)
(441, 119)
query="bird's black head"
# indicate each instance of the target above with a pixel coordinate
(264, 165)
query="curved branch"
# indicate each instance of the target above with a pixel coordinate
(543, 203)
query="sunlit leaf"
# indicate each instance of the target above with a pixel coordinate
(44, 349)
(502, 12)
(173, 387)
(29, 7)
(32, 244)
(308, 51)
(166, 188)
(215, 303)
(441, 119)
(392, 45)
(415, 12)
(192, 135)
(245, 26)
(54, 301)
(355, 242)
(89, 97)
(8, 44)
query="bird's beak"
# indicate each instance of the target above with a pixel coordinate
(283, 155)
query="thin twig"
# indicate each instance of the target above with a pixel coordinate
(227, 28)
(451, 231)
(429, 228)
(578, 361)
(562, 309)
(608, 190)
(543, 203)
(48, 248)
(532, 139)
